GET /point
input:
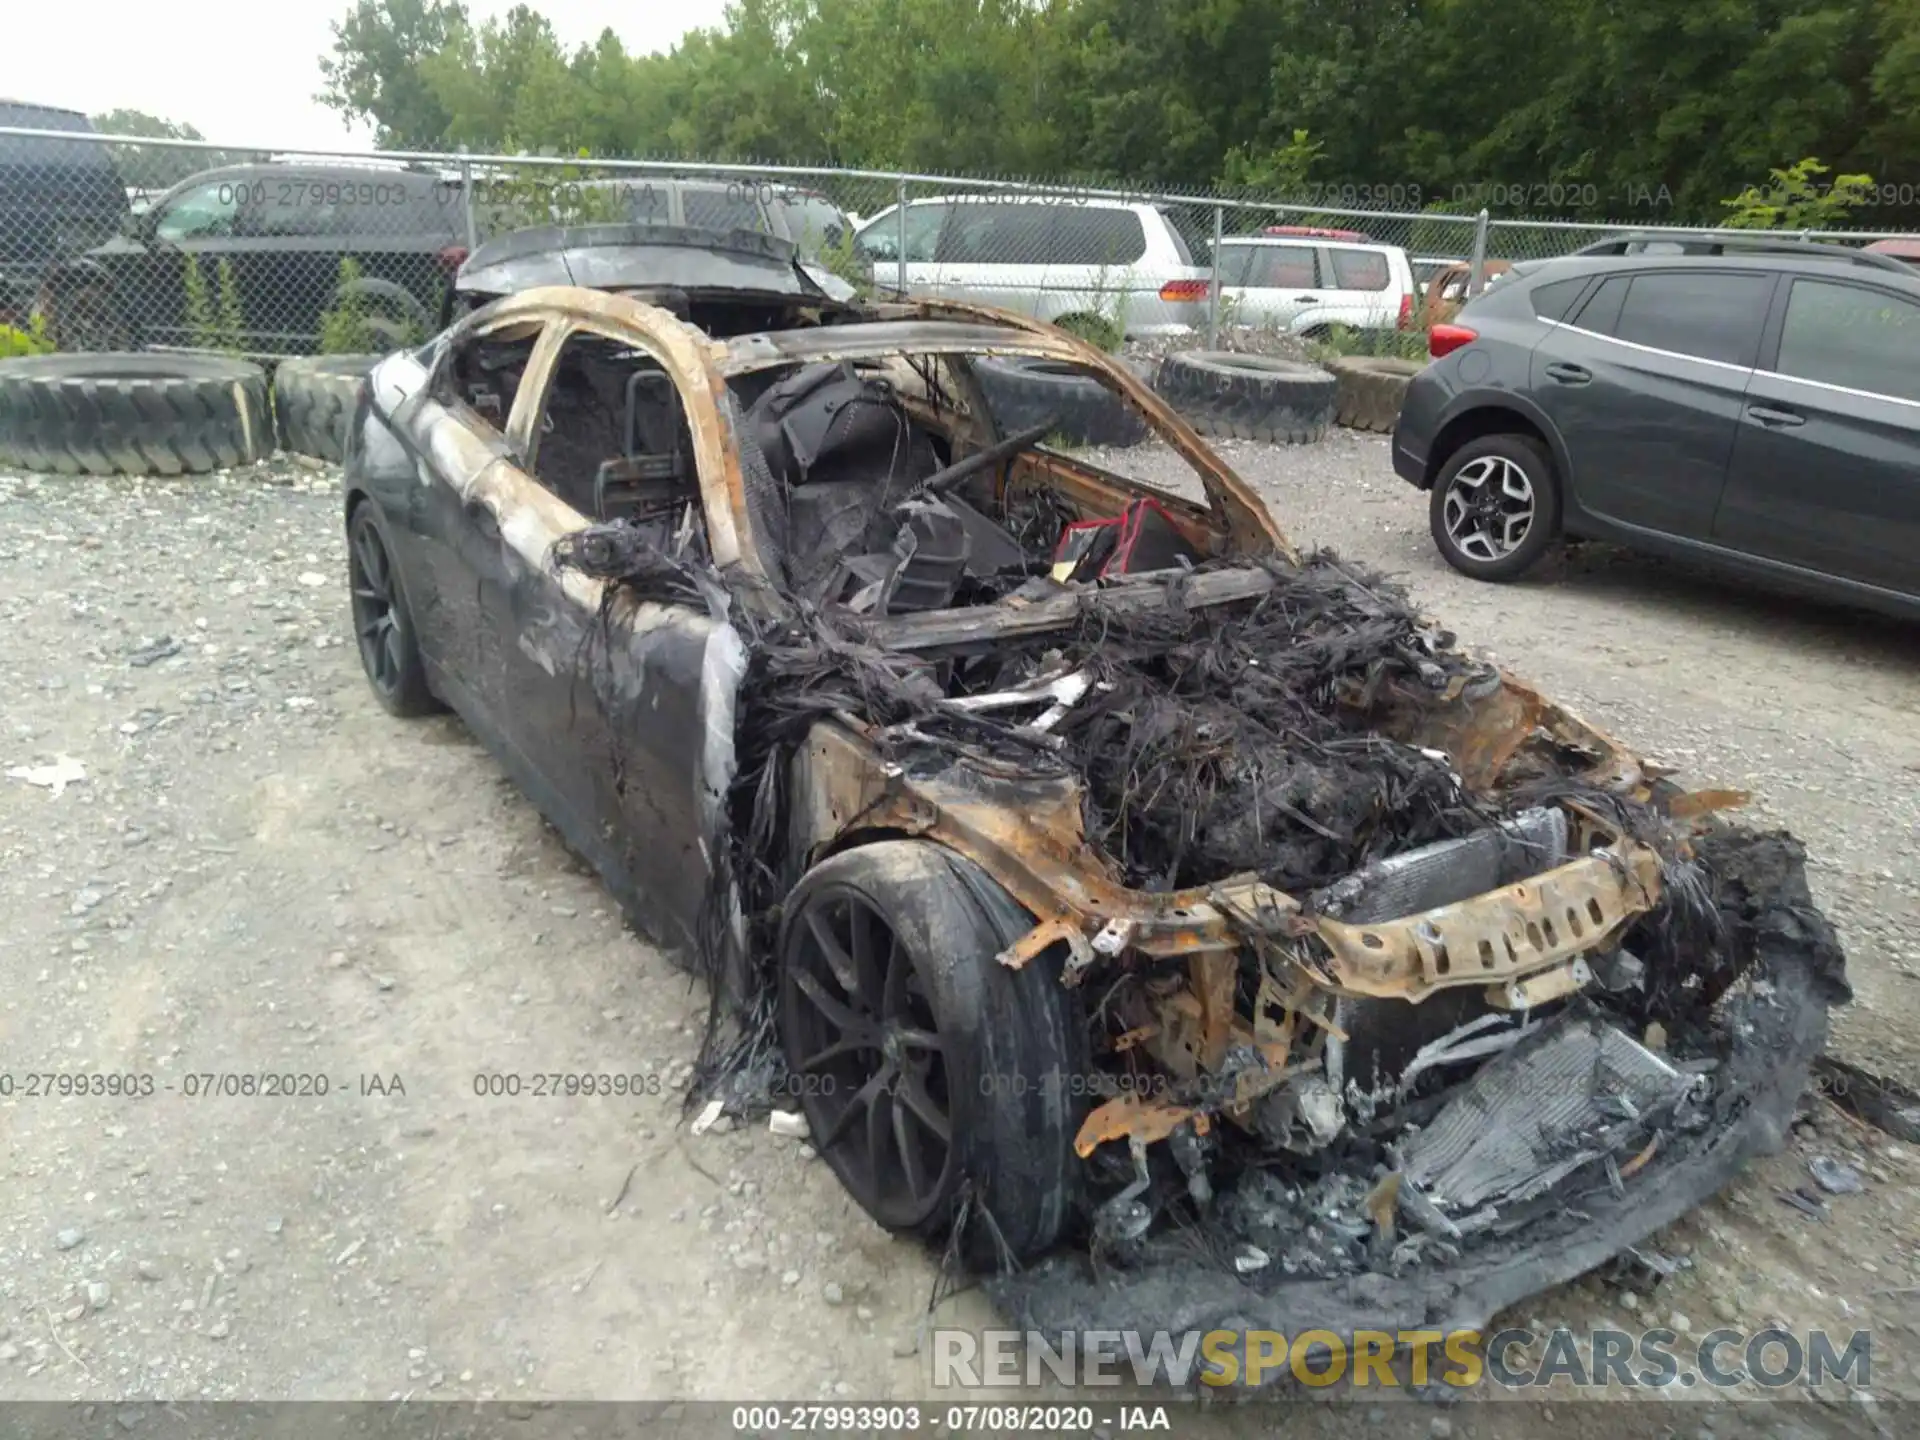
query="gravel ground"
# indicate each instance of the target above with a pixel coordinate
(261, 873)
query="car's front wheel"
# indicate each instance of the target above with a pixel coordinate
(927, 1069)
(1495, 506)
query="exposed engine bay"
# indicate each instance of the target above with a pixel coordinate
(1381, 964)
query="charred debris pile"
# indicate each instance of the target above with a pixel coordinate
(1256, 738)
(1215, 741)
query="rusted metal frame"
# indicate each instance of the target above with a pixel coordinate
(1617, 769)
(1064, 887)
(1150, 1121)
(1482, 737)
(1061, 885)
(1052, 872)
(533, 394)
(1248, 526)
(687, 355)
(1500, 937)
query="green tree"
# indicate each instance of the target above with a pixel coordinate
(374, 72)
(1283, 170)
(157, 167)
(1633, 110)
(1795, 198)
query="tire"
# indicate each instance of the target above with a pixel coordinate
(1369, 389)
(122, 414)
(313, 400)
(1022, 391)
(1248, 397)
(1492, 549)
(1006, 1042)
(382, 621)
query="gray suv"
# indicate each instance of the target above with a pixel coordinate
(1757, 408)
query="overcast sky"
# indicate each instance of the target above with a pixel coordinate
(244, 72)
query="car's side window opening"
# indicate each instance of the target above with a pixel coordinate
(612, 439)
(483, 372)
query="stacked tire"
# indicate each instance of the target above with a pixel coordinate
(313, 402)
(1024, 391)
(1369, 390)
(132, 414)
(1248, 397)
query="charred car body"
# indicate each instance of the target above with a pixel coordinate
(1110, 882)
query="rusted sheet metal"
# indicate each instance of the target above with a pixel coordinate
(1706, 802)
(1480, 736)
(1563, 980)
(1501, 936)
(1062, 929)
(1212, 975)
(1137, 1117)
(1485, 735)
(1028, 835)
(1126, 1115)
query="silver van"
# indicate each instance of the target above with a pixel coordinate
(1096, 266)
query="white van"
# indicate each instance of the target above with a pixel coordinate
(1061, 259)
(1309, 284)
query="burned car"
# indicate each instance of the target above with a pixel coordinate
(1184, 926)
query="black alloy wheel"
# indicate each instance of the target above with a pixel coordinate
(866, 1042)
(938, 1083)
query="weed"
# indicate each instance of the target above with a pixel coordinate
(33, 340)
(214, 318)
(1343, 340)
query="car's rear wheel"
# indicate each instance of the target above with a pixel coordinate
(926, 1068)
(1495, 506)
(382, 624)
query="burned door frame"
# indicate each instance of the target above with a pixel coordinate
(454, 446)
(615, 701)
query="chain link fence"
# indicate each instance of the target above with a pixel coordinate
(273, 254)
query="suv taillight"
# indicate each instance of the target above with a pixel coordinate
(1184, 290)
(1406, 312)
(1445, 339)
(451, 257)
